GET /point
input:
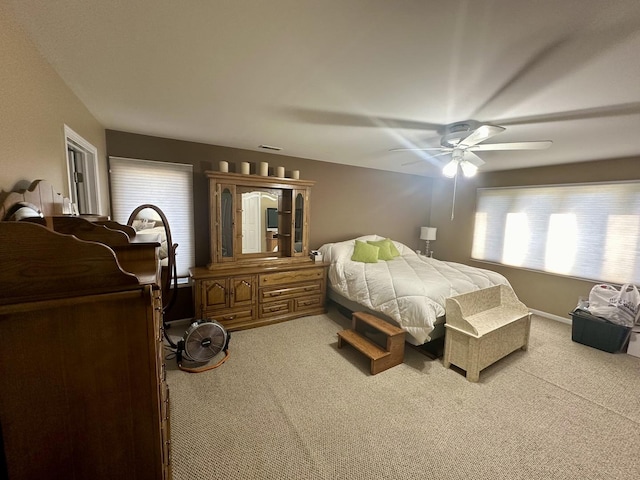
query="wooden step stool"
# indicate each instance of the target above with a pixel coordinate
(381, 359)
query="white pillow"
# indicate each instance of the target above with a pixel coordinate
(143, 224)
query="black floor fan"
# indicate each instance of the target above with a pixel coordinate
(204, 339)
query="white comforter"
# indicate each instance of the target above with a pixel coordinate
(411, 288)
(154, 234)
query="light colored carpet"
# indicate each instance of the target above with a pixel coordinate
(289, 404)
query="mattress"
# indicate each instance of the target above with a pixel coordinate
(409, 289)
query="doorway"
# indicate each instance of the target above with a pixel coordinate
(82, 170)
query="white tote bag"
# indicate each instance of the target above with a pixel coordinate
(618, 306)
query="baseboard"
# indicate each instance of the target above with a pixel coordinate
(551, 316)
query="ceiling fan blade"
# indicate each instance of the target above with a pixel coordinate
(618, 110)
(565, 54)
(444, 150)
(540, 145)
(406, 164)
(327, 117)
(423, 159)
(473, 159)
(481, 134)
(530, 65)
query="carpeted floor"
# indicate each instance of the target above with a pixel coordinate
(289, 405)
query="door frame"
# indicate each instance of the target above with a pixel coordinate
(90, 171)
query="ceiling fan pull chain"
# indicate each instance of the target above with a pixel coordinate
(453, 203)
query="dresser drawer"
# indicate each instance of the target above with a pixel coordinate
(229, 316)
(267, 294)
(291, 276)
(271, 309)
(307, 303)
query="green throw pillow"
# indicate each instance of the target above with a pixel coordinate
(392, 248)
(385, 251)
(363, 252)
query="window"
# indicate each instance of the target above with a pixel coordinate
(589, 231)
(169, 186)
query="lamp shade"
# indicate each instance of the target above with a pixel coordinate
(428, 233)
(450, 169)
(468, 169)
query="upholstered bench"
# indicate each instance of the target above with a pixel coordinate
(484, 326)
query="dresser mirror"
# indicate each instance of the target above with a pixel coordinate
(256, 218)
(259, 220)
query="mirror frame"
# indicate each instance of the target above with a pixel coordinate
(168, 293)
(287, 190)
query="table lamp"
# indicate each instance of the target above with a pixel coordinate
(428, 234)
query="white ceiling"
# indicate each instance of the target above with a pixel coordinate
(345, 81)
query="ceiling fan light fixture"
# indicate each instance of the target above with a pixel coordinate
(463, 139)
(468, 168)
(450, 169)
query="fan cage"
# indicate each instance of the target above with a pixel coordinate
(204, 340)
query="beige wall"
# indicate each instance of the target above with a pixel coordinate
(35, 104)
(549, 293)
(345, 201)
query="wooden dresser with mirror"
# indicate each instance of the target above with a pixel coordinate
(260, 271)
(84, 392)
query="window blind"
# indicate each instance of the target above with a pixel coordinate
(589, 231)
(169, 186)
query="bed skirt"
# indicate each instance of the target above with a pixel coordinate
(352, 306)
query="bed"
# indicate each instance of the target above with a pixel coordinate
(409, 290)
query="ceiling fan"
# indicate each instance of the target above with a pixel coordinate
(462, 139)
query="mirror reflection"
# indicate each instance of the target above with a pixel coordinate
(259, 221)
(151, 225)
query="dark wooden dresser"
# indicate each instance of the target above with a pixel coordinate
(82, 379)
